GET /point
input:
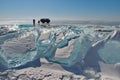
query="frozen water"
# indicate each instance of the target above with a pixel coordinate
(65, 45)
(110, 52)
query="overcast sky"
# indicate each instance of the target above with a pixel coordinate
(108, 10)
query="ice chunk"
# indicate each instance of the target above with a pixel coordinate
(19, 46)
(44, 36)
(17, 49)
(65, 51)
(3, 38)
(80, 48)
(110, 53)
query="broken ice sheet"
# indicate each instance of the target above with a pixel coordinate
(110, 53)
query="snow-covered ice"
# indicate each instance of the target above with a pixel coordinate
(75, 51)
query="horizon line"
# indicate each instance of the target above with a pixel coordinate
(94, 20)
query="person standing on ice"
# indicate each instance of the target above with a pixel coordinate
(45, 22)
